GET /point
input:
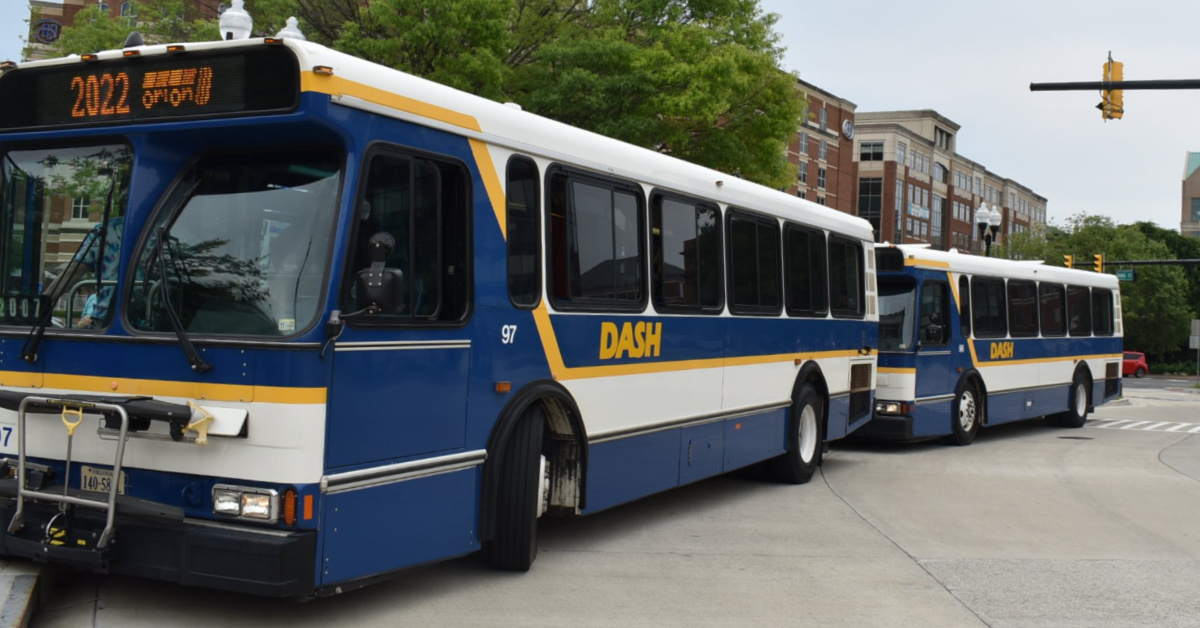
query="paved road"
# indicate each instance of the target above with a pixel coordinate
(1030, 526)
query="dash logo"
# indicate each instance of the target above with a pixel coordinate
(640, 340)
(1002, 350)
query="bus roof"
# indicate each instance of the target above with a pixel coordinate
(356, 82)
(921, 256)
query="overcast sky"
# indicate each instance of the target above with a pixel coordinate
(973, 63)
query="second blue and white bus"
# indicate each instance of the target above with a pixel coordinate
(968, 341)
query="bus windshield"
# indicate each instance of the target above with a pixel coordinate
(60, 233)
(246, 244)
(897, 306)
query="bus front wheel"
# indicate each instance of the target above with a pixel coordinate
(519, 496)
(966, 415)
(800, 462)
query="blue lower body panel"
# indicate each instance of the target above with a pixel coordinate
(374, 530)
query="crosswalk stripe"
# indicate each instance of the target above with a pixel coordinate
(1177, 426)
(1133, 425)
(1146, 426)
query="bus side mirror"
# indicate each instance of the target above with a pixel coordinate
(381, 289)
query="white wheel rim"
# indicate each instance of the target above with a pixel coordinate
(1080, 400)
(543, 487)
(966, 411)
(808, 434)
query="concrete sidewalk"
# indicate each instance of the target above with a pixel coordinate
(18, 590)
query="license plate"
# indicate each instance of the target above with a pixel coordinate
(100, 480)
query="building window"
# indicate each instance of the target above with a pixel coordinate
(820, 200)
(1196, 210)
(901, 153)
(823, 150)
(870, 151)
(803, 142)
(79, 207)
(939, 204)
(899, 196)
(939, 173)
(802, 194)
(820, 177)
(129, 12)
(103, 6)
(870, 201)
(804, 172)
(823, 120)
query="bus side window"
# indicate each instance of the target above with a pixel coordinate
(1102, 311)
(422, 204)
(988, 307)
(935, 313)
(1079, 311)
(521, 231)
(1052, 310)
(964, 306)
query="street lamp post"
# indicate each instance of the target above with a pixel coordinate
(988, 223)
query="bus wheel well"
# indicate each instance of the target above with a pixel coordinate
(811, 374)
(563, 445)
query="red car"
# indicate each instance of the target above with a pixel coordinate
(1135, 364)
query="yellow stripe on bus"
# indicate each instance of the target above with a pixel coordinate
(337, 86)
(586, 372)
(896, 370)
(491, 181)
(1074, 358)
(164, 388)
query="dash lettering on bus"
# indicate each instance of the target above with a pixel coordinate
(632, 340)
(1002, 350)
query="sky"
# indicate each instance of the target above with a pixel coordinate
(973, 62)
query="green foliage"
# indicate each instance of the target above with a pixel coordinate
(1155, 307)
(159, 21)
(696, 79)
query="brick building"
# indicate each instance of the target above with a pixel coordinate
(823, 150)
(914, 187)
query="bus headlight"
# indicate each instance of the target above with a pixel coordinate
(888, 407)
(245, 502)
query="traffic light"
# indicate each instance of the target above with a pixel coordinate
(1069, 261)
(1098, 262)
(1112, 103)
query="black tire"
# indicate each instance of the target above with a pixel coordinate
(966, 415)
(805, 439)
(518, 495)
(1139, 373)
(1077, 405)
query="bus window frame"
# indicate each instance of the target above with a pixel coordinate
(572, 175)
(536, 213)
(861, 310)
(985, 281)
(789, 226)
(657, 195)
(735, 213)
(350, 274)
(964, 306)
(944, 285)
(1037, 321)
(1062, 298)
(1111, 318)
(1087, 310)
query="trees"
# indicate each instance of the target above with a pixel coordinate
(696, 79)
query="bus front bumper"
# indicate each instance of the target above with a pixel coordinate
(892, 427)
(273, 563)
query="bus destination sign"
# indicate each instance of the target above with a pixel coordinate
(152, 88)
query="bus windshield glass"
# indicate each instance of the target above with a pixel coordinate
(897, 307)
(60, 232)
(246, 243)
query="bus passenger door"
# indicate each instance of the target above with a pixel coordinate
(400, 379)
(936, 377)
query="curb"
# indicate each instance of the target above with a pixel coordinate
(20, 602)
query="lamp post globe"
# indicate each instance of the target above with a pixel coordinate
(982, 215)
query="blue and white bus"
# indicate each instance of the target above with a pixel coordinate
(968, 341)
(279, 320)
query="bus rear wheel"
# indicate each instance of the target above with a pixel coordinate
(519, 498)
(800, 462)
(1076, 414)
(966, 414)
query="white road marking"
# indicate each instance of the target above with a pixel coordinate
(1146, 426)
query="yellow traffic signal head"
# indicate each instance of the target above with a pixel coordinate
(1069, 261)
(1112, 103)
(1098, 262)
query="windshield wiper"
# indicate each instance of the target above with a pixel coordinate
(157, 254)
(38, 331)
